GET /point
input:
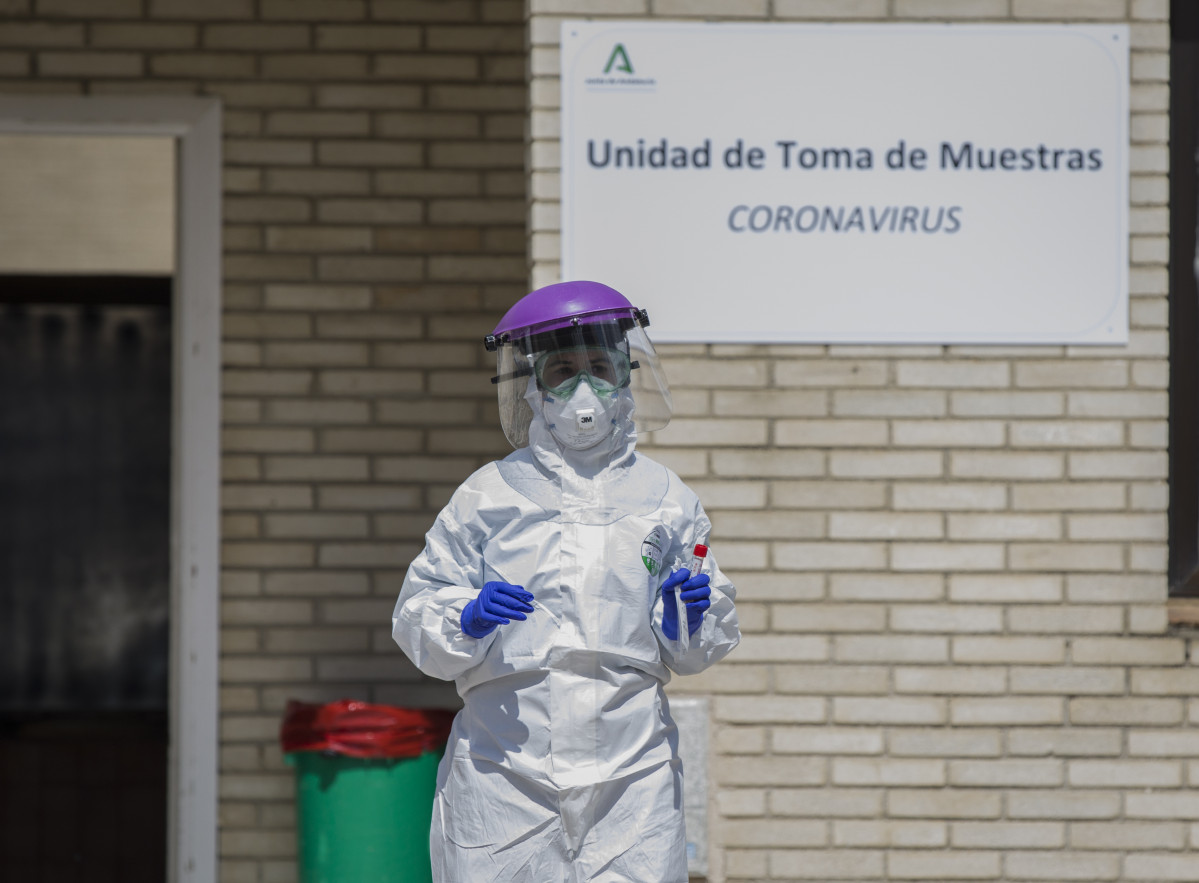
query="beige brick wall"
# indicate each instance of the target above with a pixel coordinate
(957, 662)
(375, 200)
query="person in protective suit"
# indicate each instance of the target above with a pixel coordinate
(553, 589)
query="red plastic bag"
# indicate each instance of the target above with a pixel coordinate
(359, 729)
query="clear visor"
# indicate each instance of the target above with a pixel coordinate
(610, 354)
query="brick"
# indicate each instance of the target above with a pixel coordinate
(766, 464)
(809, 864)
(824, 494)
(686, 8)
(315, 583)
(825, 802)
(768, 525)
(1134, 652)
(890, 649)
(1063, 804)
(1163, 743)
(1007, 404)
(948, 433)
(776, 832)
(853, 833)
(317, 181)
(1130, 836)
(829, 556)
(365, 669)
(1073, 373)
(869, 525)
(90, 64)
(888, 772)
(889, 403)
(266, 440)
(951, 9)
(837, 373)
(1067, 434)
(830, 679)
(1062, 866)
(1115, 588)
(1004, 527)
(949, 496)
(885, 587)
(829, 617)
(889, 710)
(1066, 742)
(946, 618)
(831, 433)
(1139, 404)
(947, 556)
(951, 803)
(1069, 9)
(266, 209)
(40, 34)
(1005, 588)
(1075, 619)
(1068, 497)
(936, 865)
(252, 36)
(886, 464)
(830, 9)
(957, 680)
(776, 772)
(911, 742)
(89, 8)
(769, 403)
(1163, 805)
(316, 354)
(769, 709)
(200, 65)
(1073, 681)
(825, 740)
(953, 374)
(1006, 465)
(143, 36)
(1117, 527)
(1009, 649)
(369, 211)
(317, 239)
(1125, 773)
(1006, 773)
(1065, 557)
(367, 554)
(422, 67)
(1007, 711)
(1177, 682)
(217, 9)
(1126, 712)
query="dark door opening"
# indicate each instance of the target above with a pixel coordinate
(85, 458)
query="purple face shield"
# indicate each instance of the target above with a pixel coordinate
(569, 316)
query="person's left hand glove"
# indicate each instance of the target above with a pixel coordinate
(696, 595)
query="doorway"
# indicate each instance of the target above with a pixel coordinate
(85, 418)
(109, 691)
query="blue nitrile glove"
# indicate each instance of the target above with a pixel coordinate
(696, 595)
(497, 604)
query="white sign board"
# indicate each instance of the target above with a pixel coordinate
(851, 183)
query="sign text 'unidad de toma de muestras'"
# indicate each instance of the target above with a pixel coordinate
(851, 183)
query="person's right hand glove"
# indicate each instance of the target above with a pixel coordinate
(496, 605)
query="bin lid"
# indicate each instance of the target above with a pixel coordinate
(363, 729)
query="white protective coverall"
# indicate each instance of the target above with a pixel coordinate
(563, 763)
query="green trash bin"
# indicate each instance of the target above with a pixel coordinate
(365, 777)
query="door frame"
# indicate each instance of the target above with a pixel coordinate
(195, 124)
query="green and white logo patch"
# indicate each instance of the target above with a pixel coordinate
(652, 549)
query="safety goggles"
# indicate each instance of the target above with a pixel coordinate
(559, 371)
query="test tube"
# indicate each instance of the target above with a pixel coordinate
(697, 564)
